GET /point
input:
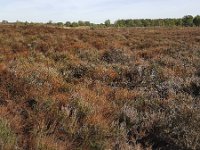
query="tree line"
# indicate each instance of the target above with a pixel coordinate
(187, 21)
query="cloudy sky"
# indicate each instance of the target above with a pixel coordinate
(94, 10)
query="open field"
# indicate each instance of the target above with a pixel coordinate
(120, 89)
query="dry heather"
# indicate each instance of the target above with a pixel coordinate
(99, 88)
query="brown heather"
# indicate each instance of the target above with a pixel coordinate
(120, 89)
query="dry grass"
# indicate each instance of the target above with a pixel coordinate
(100, 88)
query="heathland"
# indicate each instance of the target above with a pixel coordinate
(111, 88)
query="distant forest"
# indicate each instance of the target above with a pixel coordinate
(186, 21)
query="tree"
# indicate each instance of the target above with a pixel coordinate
(196, 20)
(81, 23)
(87, 23)
(188, 21)
(68, 24)
(179, 22)
(107, 23)
(59, 24)
(4, 21)
(74, 24)
(119, 23)
(50, 22)
(26, 23)
(145, 22)
(138, 23)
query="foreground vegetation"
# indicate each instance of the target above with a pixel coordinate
(99, 89)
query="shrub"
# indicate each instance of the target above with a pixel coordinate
(115, 56)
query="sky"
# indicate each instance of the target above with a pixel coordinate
(96, 11)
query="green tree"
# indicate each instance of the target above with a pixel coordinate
(87, 23)
(188, 21)
(178, 22)
(107, 23)
(74, 24)
(59, 24)
(68, 24)
(196, 20)
(144, 23)
(138, 23)
(81, 23)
